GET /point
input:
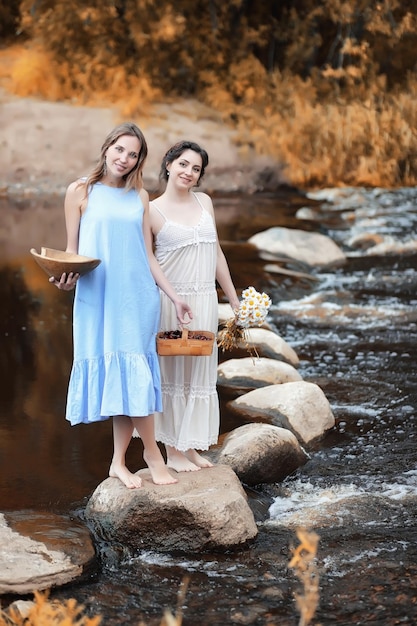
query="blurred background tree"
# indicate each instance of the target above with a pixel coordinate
(326, 86)
(9, 19)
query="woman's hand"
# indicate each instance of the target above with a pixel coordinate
(235, 304)
(67, 282)
(183, 311)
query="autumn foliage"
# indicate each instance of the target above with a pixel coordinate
(326, 86)
(42, 612)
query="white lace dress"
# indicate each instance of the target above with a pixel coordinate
(187, 255)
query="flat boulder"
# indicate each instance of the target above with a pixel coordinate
(299, 406)
(42, 550)
(264, 343)
(262, 453)
(247, 373)
(207, 509)
(225, 312)
(314, 249)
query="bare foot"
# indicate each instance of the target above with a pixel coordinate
(158, 469)
(197, 459)
(131, 481)
(179, 462)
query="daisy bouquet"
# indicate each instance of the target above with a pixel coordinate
(252, 311)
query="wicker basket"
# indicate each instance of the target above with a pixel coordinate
(186, 344)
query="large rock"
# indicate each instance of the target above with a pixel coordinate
(299, 406)
(265, 343)
(314, 249)
(207, 509)
(41, 550)
(247, 373)
(262, 453)
(225, 312)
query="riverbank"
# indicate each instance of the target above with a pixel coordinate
(45, 145)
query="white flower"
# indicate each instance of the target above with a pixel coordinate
(252, 311)
(253, 308)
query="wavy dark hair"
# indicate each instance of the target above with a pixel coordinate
(133, 179)
(176, 151)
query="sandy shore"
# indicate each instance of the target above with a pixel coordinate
(46, 145)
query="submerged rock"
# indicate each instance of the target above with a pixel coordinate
(42, 550)
(207, 509)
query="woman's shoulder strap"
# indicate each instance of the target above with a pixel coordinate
(196, 196)
(152, 203)
(204, 201)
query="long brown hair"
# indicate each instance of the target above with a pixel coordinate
(133, 179)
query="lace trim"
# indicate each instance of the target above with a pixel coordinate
(177, 245)
(191, 287)
(193, 444)
(191, 391)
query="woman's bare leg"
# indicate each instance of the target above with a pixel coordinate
(122, 434)
(179, 462)
(151, 452)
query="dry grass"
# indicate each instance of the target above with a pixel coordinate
(34, 72)
(304, 564)
(329, 140)
(351, 119)
(43, 612)
(321, 138)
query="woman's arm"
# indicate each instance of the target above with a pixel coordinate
(224, 279)
(223, 276)
(73, 205)
(182, 308)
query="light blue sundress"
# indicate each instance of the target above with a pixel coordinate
(115, 316)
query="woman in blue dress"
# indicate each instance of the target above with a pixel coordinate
(115, 372)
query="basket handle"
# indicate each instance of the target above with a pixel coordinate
(184, 336)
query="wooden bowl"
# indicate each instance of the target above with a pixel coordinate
(56, 262)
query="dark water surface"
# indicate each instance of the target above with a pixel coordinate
(355, 332)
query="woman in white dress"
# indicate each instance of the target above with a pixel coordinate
(188, 251)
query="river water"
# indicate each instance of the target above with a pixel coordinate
(355, 331)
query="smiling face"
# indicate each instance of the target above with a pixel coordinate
(185, 171)
(122, 156)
